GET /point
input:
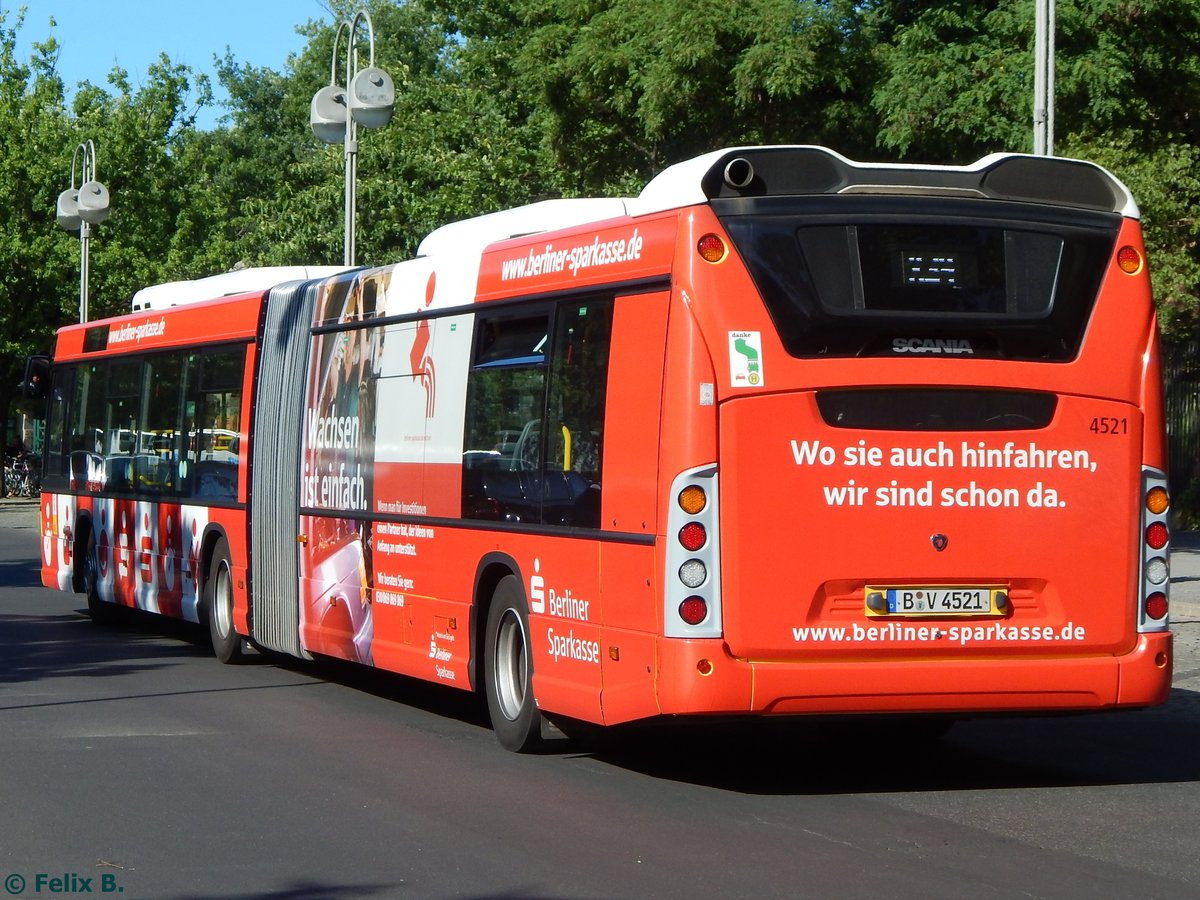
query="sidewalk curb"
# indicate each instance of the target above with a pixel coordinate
(1182, 610)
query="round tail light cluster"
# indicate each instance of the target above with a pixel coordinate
(692, 536)
(1156, 539)
(692, 577)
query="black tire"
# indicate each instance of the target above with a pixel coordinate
(508, 670)
(101, 612)
(218, 606)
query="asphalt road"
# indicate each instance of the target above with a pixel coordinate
(132, 763)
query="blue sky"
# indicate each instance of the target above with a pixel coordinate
(96, 35)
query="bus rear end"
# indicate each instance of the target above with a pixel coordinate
(940, 473)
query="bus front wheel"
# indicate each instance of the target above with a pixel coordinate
(218, 606)
(101, 613)
(508, 670)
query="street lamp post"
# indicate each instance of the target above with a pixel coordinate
(1043, 78)
(336, 112)
(81, 208)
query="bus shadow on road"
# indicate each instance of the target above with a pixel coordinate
(36, 647)
(798, 756)
(19, 573)
(439, 700)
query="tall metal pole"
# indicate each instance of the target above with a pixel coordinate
(336, 113)
(78, 209)
(350, 136)
(351, 149)
(1050, 29)
(351, 192)
(87, 173)
(85, 234)
(1043, 78)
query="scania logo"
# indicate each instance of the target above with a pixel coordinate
(950, 346)
(939, 542)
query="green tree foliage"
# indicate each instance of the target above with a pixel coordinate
(32, 254)
(956, 81)
(619, 89)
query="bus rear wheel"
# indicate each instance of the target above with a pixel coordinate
(218, 606)
(508, 670)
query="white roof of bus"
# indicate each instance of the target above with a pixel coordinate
(455, 249)
(177, 293)
(680, 185)
(472, 235)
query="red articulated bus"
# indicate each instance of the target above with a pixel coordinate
(786, 434)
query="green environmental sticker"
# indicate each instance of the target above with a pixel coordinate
(745, 359)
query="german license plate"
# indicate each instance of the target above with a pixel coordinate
(932, 601)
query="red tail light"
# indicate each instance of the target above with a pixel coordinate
(1156, 535)
(692, 536)
(693, 610)
(1156, 606)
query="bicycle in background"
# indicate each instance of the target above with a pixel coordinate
(22, 475)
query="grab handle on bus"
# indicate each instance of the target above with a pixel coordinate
(566, 448)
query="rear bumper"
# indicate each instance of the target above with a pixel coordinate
(731, 686)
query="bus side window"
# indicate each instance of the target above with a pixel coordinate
(121, 426)
(505, 405)
(575, 438)
(535, 416)
(86, 442)
(158, 452)
(212, 419)
(62, 386)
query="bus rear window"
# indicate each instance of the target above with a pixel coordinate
(946, 269)
(853, 276)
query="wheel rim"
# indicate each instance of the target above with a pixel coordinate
(512, 665)
(222, 611)
(91, 572)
